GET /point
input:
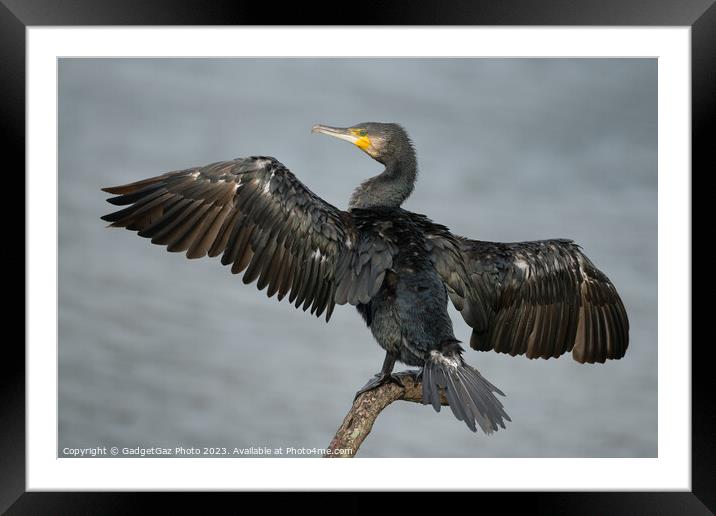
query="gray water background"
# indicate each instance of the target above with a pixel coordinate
(157, 350)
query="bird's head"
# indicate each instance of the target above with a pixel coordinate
(382, 142)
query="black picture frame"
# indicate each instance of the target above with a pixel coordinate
(17, 15)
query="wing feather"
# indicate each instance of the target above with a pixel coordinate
(263, 222)
(539, 299)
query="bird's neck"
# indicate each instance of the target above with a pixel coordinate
(390, 188)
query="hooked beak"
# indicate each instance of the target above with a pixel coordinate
(342, 133)
(357, 137)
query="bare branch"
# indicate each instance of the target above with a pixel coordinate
(365, 410)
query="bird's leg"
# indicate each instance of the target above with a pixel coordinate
(383, 377)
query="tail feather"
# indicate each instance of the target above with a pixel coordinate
(470, 396)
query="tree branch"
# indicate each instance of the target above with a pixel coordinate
(365, 410)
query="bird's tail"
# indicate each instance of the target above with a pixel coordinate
(470, 396)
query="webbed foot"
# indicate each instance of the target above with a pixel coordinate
(378, 380)
(417, 374)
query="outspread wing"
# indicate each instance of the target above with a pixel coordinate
(262, 220)
(539, 299)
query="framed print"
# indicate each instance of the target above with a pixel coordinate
(146, 371)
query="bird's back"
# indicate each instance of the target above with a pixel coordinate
(408, 315)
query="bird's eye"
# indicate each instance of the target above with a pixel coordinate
(363, 132)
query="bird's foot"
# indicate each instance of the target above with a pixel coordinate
(417, 375)
(377, 381)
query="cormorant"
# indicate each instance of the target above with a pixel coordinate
(398, 268)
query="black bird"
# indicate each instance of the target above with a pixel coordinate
(398, 268)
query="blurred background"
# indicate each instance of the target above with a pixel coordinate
(157, 350)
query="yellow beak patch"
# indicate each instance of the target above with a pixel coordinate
(362, 141)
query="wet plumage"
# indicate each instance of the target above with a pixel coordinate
(398, 268)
